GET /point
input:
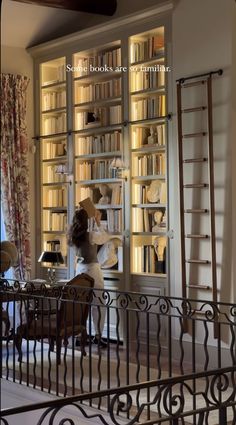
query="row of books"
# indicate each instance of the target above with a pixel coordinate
(143, 80)
(141, 194)
(142, 137)
(52, 149)
(54, 124)
(55, 221)
(144, 220)
(102, 117)
(85, 65)
(59, 73)
(114, 221)
(99, 169)
(53, 100)
(145, 259)
(50, 175)
(55, 197)
(62, 247)
(97, 91)
(149, 107)
(108, 142)
(149, 164)
(146, 49)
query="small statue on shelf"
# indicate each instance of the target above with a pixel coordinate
(158, 216)
(152, 139)
(104, 191)
(160, 250)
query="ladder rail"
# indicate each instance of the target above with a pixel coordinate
(211, 187)
(181, 192)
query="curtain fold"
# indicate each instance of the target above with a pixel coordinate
(15, 169)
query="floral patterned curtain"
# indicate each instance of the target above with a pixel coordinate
(14, 168)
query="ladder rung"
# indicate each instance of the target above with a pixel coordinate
(195, 185)
(196, 109)
(192, 261)
(195, 83)
(191, 160)
(192, 236)
(196, 286)
(197, 211)
(190, 135)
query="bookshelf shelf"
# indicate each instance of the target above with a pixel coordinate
(147, 178)
(158, 57)
(149, 149)
(56, 209)
(53, 232)
(52, 85)
(140, 93)
(98, 76)
(55, 160)
(54, 184)
(98, 130)
(159, 233)
(97, 181)
(106, 101)
(155, 275)
(149, 205)
(55, 110)
(98, 155)
(108, 207)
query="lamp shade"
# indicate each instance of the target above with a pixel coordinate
(54, 257)
(117, 163)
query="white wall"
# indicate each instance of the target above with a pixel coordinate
(202, 41)
(16, 60)
(233, 127)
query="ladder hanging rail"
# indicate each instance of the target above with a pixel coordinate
(193, 77)
(204, 80)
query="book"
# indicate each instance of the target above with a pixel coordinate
(89, 207)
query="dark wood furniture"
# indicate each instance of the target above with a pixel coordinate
(57, 325)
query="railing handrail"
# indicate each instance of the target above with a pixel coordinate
(133, 293)
(120, 390)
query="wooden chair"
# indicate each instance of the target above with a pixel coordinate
(57, 326)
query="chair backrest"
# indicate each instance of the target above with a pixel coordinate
(75, 298)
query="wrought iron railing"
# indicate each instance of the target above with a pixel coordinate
(145, 335)
(167, 404)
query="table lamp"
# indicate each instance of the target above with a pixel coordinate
(53, 257)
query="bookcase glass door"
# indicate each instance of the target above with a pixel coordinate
(53, 153)
(147, 101)
(98, 142)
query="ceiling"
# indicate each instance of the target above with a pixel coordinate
(25, 25)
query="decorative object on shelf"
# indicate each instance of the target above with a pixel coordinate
(152, 139)
(108, 253)
(62, 169)
(53, 257)
(117, 167)
(104, 191)
(154, 190)
(158, 216)
(160, 250)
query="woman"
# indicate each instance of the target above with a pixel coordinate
(85, 243)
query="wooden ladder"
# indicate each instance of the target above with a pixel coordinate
(183, 138)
